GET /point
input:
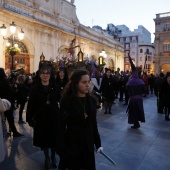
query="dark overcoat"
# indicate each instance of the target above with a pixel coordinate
(42, 112)
(166, 95)
(77, 135)
(135, 88)
(108, 88)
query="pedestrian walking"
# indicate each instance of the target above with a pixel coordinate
(6, 92)
(4, 106)
(135, 87)
(77, 130)
(42, 114)
(166, 96)
(107, 89)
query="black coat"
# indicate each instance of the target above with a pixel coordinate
(43, 115)
(5, 89)
(166, 95)
(22, 93)
(77, 135)
(108, 88)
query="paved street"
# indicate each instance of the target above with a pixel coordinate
(147, 148)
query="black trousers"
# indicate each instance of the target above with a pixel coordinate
(22, 105)
(10, 118)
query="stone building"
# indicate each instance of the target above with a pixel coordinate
(133, 41)
(162, 43)
(146, 56)
(49, 26)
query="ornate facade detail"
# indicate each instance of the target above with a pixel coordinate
(40, 20)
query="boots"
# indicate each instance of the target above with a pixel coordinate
(167, 114)
(53, 158)
(110, 109)
(47, 159)
(47, 163)
(136, 125)
(54, 161)
(167, 117)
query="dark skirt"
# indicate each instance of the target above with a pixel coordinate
(79, 159)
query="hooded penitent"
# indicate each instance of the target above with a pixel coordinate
(134, 70)
(135, 80)
(135, 87)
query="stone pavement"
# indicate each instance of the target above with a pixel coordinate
(147, 148)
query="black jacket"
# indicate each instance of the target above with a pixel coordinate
(75, 132)
(42, 113)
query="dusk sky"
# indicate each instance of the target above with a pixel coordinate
(128, 12)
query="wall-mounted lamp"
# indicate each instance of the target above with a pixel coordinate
(80, 56)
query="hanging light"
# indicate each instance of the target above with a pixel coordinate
(21, 35)
(42, 57)
(80, 56)
(3, 30)
(12, 27)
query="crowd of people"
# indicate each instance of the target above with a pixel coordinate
(62, 110)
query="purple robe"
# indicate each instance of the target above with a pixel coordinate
(135, 88)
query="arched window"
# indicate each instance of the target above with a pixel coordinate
(141, 50)
(22, 46)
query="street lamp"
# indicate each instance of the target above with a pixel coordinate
(12, 39)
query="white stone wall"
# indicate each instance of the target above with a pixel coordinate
(48, 25)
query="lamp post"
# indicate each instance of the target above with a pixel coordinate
(12, 39)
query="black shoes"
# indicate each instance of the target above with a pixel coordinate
(17, 134)
(47, 163)
(167, 118)
(98, 106)
(135, 126)
(54, 161)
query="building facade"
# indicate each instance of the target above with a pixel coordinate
(49, 26)
(132, 41)
(146, 58)
(162, 43)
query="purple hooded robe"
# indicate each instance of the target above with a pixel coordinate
(135, 87)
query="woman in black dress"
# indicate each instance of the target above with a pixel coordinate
(42, 113)
(77, 130)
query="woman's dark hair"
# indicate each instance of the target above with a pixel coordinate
(45, 68)
(71, 87)
(2, 73)
(167, 75)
